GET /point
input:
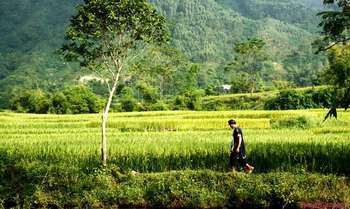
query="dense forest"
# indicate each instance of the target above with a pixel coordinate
(202, 53)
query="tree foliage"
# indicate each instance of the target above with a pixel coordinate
(248, 63)
(338, 74)
(335, 24)
(70, 100)
(104, 29)
(335, 30)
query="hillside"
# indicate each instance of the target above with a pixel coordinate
(204, 30)
(298, 12)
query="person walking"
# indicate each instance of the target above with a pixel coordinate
(238, 149)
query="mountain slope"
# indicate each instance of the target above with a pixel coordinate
(204, 30)
(301, 13)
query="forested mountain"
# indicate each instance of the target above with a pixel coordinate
(205, 31)
(297, 12)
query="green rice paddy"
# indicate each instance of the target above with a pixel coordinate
(164, 141)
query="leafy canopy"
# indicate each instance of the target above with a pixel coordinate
(106, 29)
(338, 73)
(335, 24)
(249, 55)
(335, 29)
(248, 64)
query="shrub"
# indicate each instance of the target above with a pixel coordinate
(180, 102)
(236, 102)
(81, 99)
(128, 104)
(76, 100)
(35, 101)
(191, 100)
(149, 94)
(194, 99)
(281, 84)
(59, 104)
(323, 97)
(292, 99)
(175, 189)
(160, 105)
(287, 99)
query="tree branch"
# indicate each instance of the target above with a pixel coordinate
(335, 43)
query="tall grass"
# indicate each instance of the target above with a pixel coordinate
(162, 141)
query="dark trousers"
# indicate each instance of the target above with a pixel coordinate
(235, 158)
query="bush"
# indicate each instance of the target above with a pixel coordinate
(292, 99)
(128, 104)
(59, 104)
(180, 103)
(191, 100)
(160, 105)
(281, 84)
(323, 97)
(76, 100)
(81, 99)
(194, 99)
(35, 101)
(236, 102)
(287, 99)
(147, 93)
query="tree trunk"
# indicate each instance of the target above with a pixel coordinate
(253, 85)
(104, 121)
(161, 86)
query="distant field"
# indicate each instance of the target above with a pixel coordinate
(163, 141)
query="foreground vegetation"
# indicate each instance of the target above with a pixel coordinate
(173, 159)
(66, 187)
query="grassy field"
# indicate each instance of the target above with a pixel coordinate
(159, 142)
(163, 141)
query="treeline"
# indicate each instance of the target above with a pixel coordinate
(286, 99)
(82, 99)
(71, 100)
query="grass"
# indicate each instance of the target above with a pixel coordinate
(162, 141)
(49, 150)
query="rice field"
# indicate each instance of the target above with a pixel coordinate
(177, 140)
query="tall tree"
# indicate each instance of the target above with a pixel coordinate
(338, 75)
(249, 59)
(102, 36)
(164, 67)
(335, 30)
(335, 24)
(166, 62)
